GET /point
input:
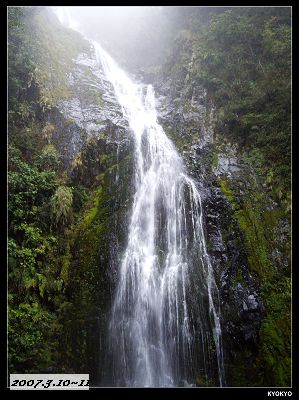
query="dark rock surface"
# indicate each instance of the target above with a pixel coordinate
(188, 120)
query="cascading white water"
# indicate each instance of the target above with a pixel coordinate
(152, 327)
(165, 320)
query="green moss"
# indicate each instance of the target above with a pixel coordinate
(255, 241)
(239, 278)
(244, 371)
(91, 214)
(275, 333)
(93, 225)
(65, 263)
(56, 49)
(215, 159)
(258, 225)
(69, 121)
(99, 99)
(255, 224)
(226, 189)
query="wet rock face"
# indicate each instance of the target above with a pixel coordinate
(91, 109)
(242, 309)
(241, 306)
(192, 130)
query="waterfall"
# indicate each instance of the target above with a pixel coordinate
(165, 320)
(165, 269)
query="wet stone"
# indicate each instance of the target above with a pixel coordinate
(252, 302)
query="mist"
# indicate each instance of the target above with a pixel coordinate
(136, 36)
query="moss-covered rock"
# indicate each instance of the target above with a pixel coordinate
(248, 238)
(259, 220)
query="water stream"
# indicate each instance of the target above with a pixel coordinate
(152, 327)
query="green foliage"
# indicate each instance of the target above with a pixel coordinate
(49, 158)
(32, 338)
(38, 196)
(28, 190)
(20, 62)
(80, 196)
(47, 132)
(41, 54)
(244, 61)
(61, 205)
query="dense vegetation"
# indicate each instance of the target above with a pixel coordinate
(42, 202)
(241, 56)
